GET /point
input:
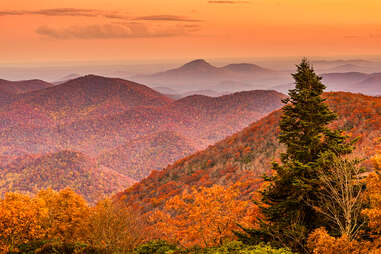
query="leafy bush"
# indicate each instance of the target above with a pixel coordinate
(29, 247)
(237, 247)
(234, 247)
(50, 247)
(156, 247)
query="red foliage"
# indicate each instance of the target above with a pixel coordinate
(247, 155)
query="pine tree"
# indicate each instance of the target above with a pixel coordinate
(287, 203)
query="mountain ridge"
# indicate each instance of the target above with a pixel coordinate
(59, 170)
(246, 155)
(39, 123)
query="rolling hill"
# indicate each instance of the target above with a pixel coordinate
(357, 82)
(24, 86)
(95, 115)
(8, 89)
(202, 119)
(30, 173)
(354, 81)
(246, 155)
(201, 75)
(196, 68)
(340, 75)
(152, 152)
(371, 85)
(66, 78)
(210, 93)
(86, 95)
(344, 77)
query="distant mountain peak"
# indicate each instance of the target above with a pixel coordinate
(101, 80)
(198, 63)
(22, 86)
(92, 76)
(244, 67)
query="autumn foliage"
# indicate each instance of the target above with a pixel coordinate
(320, 242)
(21, 220)
(374, 194)
(30, 173)
(247, 155)
(200, 200)
(64, 217)
(96, 115)
(114, 226)
(204, 217)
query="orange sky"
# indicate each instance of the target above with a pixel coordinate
(65, 30)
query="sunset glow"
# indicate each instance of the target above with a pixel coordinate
(45, 30)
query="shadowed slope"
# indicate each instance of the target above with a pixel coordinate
(152, 152)
(8, 89)
(59, 170)
(248, 154)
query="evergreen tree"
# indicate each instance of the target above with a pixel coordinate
(287, 203)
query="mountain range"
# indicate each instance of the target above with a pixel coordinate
(245, 156)
(201, 75)
(30, 173)
(369, 84)
(104, 130)
(122, 127)
(9, 89)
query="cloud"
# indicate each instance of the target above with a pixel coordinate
(192, 27)
(352, 36)
(228, 2)
(73, 12)
(375, 35)
(11, 13)
(167, 18)
(67, 12)
(112, 31)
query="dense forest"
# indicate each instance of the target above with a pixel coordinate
(304, 179)
(115, 126)
(245, 156)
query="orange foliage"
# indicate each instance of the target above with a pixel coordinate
(256, 147)
(204, 217)
(115, 226)
(141, 156)
(48, 215)
(374, 194)
(20, 220)
(28, 174)
(67, 215)
(322, 243)
(122, 123)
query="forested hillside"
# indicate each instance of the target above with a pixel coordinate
(30, 173)
(119, 125)
(247, 155)
(153, 152)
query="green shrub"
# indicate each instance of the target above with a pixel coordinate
(29, 247)
(236, 247)
(156, 247)
(51, 247)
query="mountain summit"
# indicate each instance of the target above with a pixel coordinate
(245, 67)
(199, 64)
(201, 75)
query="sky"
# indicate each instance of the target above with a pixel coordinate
(151, 30)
